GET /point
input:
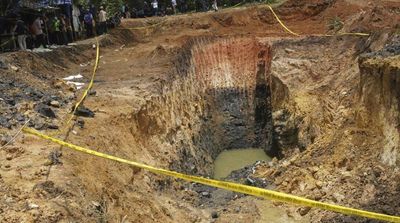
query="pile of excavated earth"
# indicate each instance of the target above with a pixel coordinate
(181, 89)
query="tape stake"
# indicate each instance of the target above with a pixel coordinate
(255, 191)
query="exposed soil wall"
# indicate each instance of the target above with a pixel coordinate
(220, 99)
(380, 95)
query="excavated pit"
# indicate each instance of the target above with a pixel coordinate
(177, 96)
(220, 99)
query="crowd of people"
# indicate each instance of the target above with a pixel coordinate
(61, 27)
(153, 8)
(28, 31)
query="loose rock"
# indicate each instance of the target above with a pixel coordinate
(84, 112)
(214, 214)
(55, 104)
(45, 111)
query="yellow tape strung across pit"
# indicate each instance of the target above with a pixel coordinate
(85, 93)
(277, 19)
(328, 35)
(96, 65)
(281, 23)
(237, 5)
(259, 192)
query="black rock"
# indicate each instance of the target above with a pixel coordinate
(84, 112)
(81, 123)
(10, 101)
(92, 92)
(34, 94)
(45, 110)
(3, 65)
(54, 157)
(214, 214)
(52, 126)
(20, 117)
(4, 122)
(39, 125)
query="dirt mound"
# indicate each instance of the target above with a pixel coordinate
(375, 18)
(303, 9)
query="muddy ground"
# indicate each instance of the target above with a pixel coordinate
(177, 93)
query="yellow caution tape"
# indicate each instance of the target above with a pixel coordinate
(255, 191)
(85, 93)
(237, 4)
(296, 34)
(276, 17)
(281, 23)
(96, 65)
(349, 34)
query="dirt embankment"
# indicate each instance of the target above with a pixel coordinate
(344, 112)
(379, 93)
(169, 98)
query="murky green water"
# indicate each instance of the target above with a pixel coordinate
(235, 159)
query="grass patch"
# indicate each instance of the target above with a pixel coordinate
(335, 24)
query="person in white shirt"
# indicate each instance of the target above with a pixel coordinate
(214, 5)
(76, 13)
(154, 4)
(37, 32)
(102, 21)
(173, 2)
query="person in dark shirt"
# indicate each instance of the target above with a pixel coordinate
(22, 30)
(88, 20)
(63, 29)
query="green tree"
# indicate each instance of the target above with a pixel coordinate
(112, 6)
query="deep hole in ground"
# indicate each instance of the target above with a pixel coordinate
(177, 95)
(221, 100)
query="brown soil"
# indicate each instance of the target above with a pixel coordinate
(176, 94)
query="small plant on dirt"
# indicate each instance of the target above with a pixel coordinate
(335, 23)
(270, 1)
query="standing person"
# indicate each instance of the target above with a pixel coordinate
(88, 20)
(173, 3)
(127, 12)
(37, 32)
(214, 5)
(102, 21)
(123, 10)
(55, 25)
(70, 35)
(22, 31)
(154, 5)
(63, 29)
(76, 14)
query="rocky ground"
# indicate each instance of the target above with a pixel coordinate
(333, 116)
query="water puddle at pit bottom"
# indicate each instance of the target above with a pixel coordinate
(230, 160)
(235, 159)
